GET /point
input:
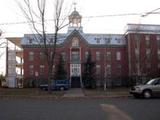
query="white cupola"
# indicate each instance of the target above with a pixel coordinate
(74, 21)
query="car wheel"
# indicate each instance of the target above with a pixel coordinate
(61, 88)
(136, 96)
(44, 89)
(147, 94)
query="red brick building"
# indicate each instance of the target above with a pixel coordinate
(143, 49)
(116, 56)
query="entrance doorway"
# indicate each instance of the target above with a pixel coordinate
(75, 82)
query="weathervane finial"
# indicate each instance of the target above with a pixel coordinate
(74, 3)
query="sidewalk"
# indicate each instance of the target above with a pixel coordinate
(74, 92)
(110, 92)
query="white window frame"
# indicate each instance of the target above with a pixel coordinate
(41, 69)
(108, 56)
(75, 69)
(98, 56)
(31, 56)
(118, 55)
(31, 69)
(98, 69)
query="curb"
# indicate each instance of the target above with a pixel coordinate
(61, 97)
(27, 97)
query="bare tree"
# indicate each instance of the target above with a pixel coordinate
(36, 16)
(2, 44)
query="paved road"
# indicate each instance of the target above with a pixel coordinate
(82, 109)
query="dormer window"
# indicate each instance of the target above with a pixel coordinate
(30, 40)
(41, 40)
(51, 40)
(98, 40)
(107, 40)
(118, 40)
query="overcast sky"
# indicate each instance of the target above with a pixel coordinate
(10, 13)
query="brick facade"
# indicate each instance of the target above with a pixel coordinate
(118, 58)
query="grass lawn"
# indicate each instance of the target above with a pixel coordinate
(29, 92)
(108, 92)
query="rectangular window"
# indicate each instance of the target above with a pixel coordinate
(159, 54)
(53, 71)
(75, 56)
(31, 56)
(108, 69)
(148, 53)
(158, 37)
(41, 56)
(98, 69)
(147, 39)
(137, 53)
(148, 65)
(118, 55)
(63, 56)
(158, 40)
(31, 70)
(41, 69)
(86, 55)
(119, 69)
(158, 65)
(108, 56)
(119, 66)
(97, 56)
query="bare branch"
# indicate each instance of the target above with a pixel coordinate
(40, 27)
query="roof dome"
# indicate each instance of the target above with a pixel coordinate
(75, 18)
(75, 14)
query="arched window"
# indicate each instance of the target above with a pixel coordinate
(75, 42)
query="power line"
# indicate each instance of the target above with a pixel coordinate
(98, 16)
(114, 15)
(150, 12)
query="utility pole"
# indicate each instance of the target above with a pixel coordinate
(105, 68)
(0, 32)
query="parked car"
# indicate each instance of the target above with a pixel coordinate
(151, 88)
(56, 85)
